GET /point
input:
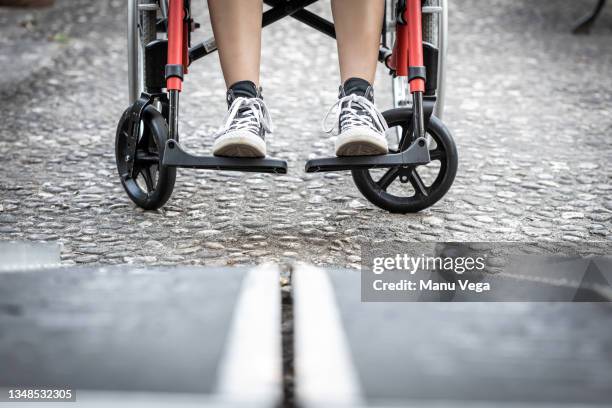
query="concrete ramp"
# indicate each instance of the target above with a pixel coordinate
(144, 336)
(351, 353)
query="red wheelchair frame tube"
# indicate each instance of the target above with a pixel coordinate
(176, 41)
(409, 62)
(400, 51)
(409, 47)
(414, 17)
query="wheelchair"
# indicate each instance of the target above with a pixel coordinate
(413, 48)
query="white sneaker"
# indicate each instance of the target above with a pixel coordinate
(244, 132)
(360, 127)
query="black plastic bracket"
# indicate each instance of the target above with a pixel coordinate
(174, 71)
(175, 156)
(430, 58)
(416, 154)
(156, 58)
(417, 73)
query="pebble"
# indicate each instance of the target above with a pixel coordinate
(572, 215)
(506, 194)
(86, 259)
(356, 204)
(433, 220)
(484, 218)
(214, 245)
(8, 219)
(208, 232)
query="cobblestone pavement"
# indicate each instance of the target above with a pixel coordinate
(529, 104)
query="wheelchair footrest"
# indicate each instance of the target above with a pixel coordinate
(417, 154)
(175, 156)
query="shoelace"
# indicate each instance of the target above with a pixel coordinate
(373, 119)
(253, 114)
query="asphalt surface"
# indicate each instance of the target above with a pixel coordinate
(529, 105)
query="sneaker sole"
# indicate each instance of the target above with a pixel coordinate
(240, 146)
(361, 144)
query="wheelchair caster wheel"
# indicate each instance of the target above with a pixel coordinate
(410, 189)
(149, 185)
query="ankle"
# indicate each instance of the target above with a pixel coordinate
(242, 89)
(359, 87)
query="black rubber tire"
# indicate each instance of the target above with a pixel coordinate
(448, 169)
(152, 142)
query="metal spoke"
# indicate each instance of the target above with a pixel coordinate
(388, 178)
(417, 183)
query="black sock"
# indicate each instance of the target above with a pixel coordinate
(358, 86)
(245, 89)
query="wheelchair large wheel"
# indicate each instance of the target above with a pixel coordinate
(150, 184)
(413, 188)
(142, 29)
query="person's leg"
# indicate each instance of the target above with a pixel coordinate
(237, 28)
(358, 29)
(361, 127)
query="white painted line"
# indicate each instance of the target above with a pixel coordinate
(250, 370)
(324, 371)
(28, 256)
(12, 268)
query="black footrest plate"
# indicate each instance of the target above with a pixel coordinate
(416, 154)
(175, 156)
